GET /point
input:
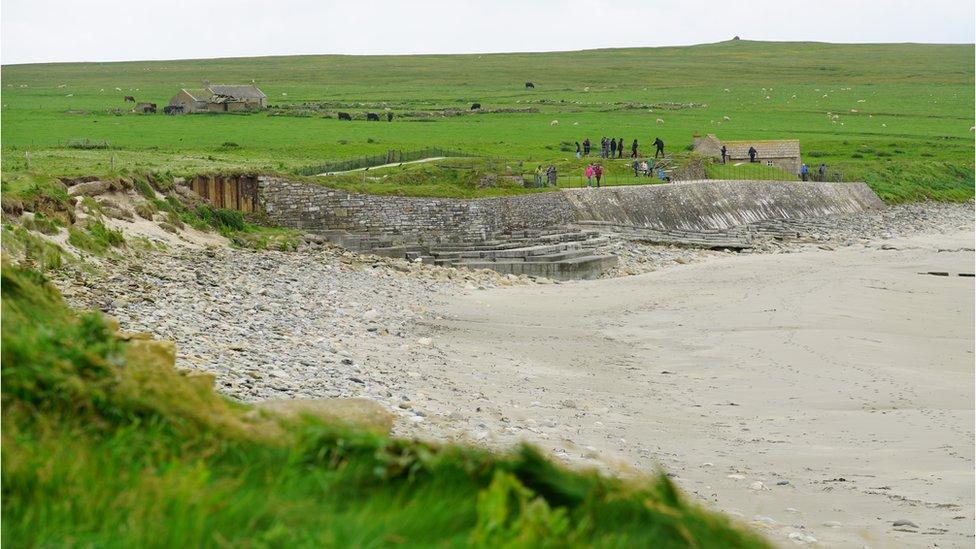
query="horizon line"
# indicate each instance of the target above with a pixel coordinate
(461, 54)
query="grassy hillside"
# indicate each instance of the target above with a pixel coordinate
(903, 111)
(105, 444)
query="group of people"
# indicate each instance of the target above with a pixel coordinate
(821, 172)
(614, 148)
(645, 169)
(753, 154)
(545, 177)
(593, 171)
(641, 168)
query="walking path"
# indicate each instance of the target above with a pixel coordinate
(431, 159)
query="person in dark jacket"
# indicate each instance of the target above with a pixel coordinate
(659, 146)
(633, 149)
(620, 148)
(725, 154)
(822, 171)
(579, 152)
(636, 166)
(753, 153)
(613, 147)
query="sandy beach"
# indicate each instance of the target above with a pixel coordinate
(822, 395)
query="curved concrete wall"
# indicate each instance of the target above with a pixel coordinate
(689, 206)
(713, 204)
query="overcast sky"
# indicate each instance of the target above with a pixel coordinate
(108, 30)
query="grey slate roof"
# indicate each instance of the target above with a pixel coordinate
(198, 94)
(766, 149)
(785, 148)
(237, 91)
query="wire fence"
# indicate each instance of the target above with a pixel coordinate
(664, 171)
(392, 156)
(761, 170)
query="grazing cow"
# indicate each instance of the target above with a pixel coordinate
(529, 85)
(475, 106)
(344, 116)
(129, 98)
(389, 117)
(145, 108)
(372, 117)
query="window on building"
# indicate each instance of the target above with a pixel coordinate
(769, 162)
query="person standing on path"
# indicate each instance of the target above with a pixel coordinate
(633, 149)
(538, 176)
(753, 153)
(598, 172)
(586, 147)
(613, 147)
(588, 172)
(636, 166)
(578, 151)
(725, 154)
(804, 170)
(822, 171)
(551, 173)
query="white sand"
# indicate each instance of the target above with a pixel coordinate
(808, 368)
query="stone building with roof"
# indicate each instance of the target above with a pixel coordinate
(220, 98)
(782, 153)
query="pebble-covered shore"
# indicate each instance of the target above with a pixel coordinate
(323, 322)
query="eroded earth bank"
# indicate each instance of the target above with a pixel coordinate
(821, 389)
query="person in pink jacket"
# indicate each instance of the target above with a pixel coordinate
(588, 172)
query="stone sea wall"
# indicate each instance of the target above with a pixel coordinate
(313, 207)
(694, 205)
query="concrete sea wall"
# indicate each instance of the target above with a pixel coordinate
(693, 205)
(714, 204)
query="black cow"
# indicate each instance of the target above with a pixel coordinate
(529, 85)
(372, 117)
(129, 98)
(389, 117)
(475, 106)
(344, 116)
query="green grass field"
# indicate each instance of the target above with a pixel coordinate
(903, 111)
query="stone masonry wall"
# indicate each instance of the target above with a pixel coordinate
(693, 205)
(313, 207)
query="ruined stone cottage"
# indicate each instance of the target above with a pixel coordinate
(782, 153)
(220, 98)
